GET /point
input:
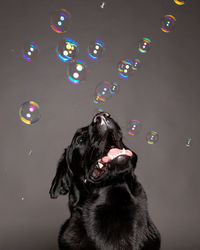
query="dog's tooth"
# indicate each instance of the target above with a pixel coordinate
(123, 151)
(100, 165)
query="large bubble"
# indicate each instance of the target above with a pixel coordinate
(29, 112)
(67, 49)
(76, 71)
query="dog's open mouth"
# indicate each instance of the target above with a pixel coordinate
(104, 163)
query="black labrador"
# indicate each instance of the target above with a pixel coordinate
(108, 205)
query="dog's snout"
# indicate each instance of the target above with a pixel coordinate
(100, 117)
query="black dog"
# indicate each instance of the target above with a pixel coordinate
(108, 205)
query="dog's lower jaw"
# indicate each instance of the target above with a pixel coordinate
(117, 167)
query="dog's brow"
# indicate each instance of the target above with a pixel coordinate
(81, 131)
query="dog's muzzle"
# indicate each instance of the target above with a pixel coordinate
(114, 155)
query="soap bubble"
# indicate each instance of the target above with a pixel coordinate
(144, 45)
(67, 49)
(114, 89)
(125, 68)
(152, 137)
(98, 110)
(76, 71)
(136, 64)
(178, 2)
(188, 142)
(134, 127)
(29, 112)
(102, 5)
(167, 23)
(96, 49)
(102, 92)
(60, 21)
(30, 51)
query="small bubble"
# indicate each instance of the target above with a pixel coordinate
(152, 137)
(167, 23)
(60, 21)
(188, 142)
(144, 45)
(179, 2)
(30, 51)
(102, 5)
(102, 92)
(134, 127)
(125, 68)
(29, 112)
(96, 49)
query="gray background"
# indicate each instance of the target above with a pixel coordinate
(163, 95)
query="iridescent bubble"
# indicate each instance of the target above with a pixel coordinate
(114, 89)
(29, 112)
(67, 49)
(102, 5)
(125, 68)
(98, 110)
(144, 45)
(136, 64)
(152, 137)
(179, 2)
(76, 71)
(188, 142)
(96, 49)
(167, 23)
(60, 21)
(134, 127)
(30, 51)
(102, 92)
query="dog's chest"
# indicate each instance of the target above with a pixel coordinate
(117, 209)
(112, 215)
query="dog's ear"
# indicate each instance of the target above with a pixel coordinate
(62, 180)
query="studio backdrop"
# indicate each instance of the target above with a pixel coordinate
(62, 61)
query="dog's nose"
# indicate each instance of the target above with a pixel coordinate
(100, 117)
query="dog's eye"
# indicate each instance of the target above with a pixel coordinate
(80, 139)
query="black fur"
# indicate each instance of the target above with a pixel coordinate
(108, 212)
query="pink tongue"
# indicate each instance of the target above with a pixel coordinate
(113, 152)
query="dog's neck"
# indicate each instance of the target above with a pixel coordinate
(84, 190)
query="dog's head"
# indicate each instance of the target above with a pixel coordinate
(96, 154)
